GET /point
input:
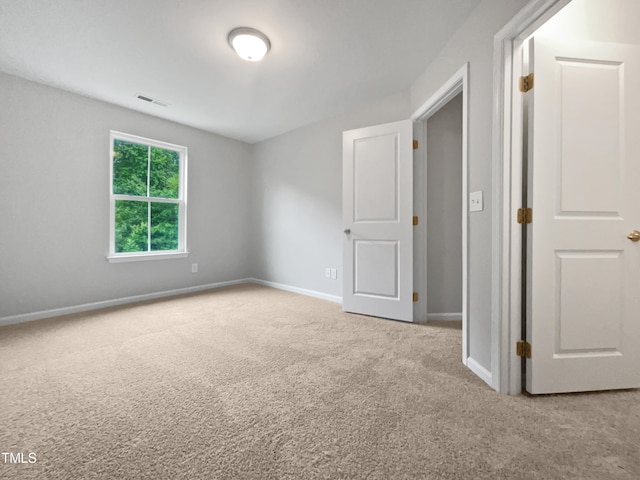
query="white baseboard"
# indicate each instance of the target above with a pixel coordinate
(55, 312)
(480, 371)
(303, 291)
(444, 317)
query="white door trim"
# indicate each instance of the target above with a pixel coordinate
(452, 87)
(458, 83)
(507, 190)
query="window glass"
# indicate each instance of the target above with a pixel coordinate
(130, 161)
(165, 173)
(131, 226)
(164, 226)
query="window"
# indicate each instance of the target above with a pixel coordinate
(148, 199)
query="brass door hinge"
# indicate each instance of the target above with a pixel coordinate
(415, 296)
(415, 220)
(526, 83)
(523, 349)
(416, 144)
(525, 215)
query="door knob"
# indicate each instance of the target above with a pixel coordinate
(634, 236)
(347, 231)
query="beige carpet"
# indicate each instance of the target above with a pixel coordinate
(254, 383)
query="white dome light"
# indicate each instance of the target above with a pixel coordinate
(249, 43)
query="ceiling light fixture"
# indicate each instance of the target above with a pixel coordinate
(249, 43)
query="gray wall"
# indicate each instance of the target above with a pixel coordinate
(298, 198)
(54, 202)
(444, 207)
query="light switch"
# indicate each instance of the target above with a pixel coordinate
(475, 201)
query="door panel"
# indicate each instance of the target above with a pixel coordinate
(582, 294)
(586, 327)
(376, 268)
(375, 175)
(377, 217)
(591, 104)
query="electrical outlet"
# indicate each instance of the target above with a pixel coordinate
(475, 201)
(334, 274)
(327, 272)
(194, 268)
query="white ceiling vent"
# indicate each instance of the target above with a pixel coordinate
(146, 98)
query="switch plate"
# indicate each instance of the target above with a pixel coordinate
(327, 272)
(194, 268)
(476, 203)
(334, 274)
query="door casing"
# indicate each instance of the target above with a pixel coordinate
(507, 166)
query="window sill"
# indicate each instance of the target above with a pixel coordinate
(139, 257)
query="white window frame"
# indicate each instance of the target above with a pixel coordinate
(181, 252)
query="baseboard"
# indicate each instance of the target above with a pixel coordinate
(55, 312)
(444, 317)
(303, 291)
(480, 371)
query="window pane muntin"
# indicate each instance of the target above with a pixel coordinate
(177, 201)
(130, 168)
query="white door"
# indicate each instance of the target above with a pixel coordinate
(377, 184)
(583, 295)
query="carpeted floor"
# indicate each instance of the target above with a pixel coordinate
(254, 383)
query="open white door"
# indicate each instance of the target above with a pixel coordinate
(377, 217)
(583, 298)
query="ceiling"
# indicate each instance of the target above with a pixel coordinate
(327, 56)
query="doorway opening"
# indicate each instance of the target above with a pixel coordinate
(441, 202)
(444, 207)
